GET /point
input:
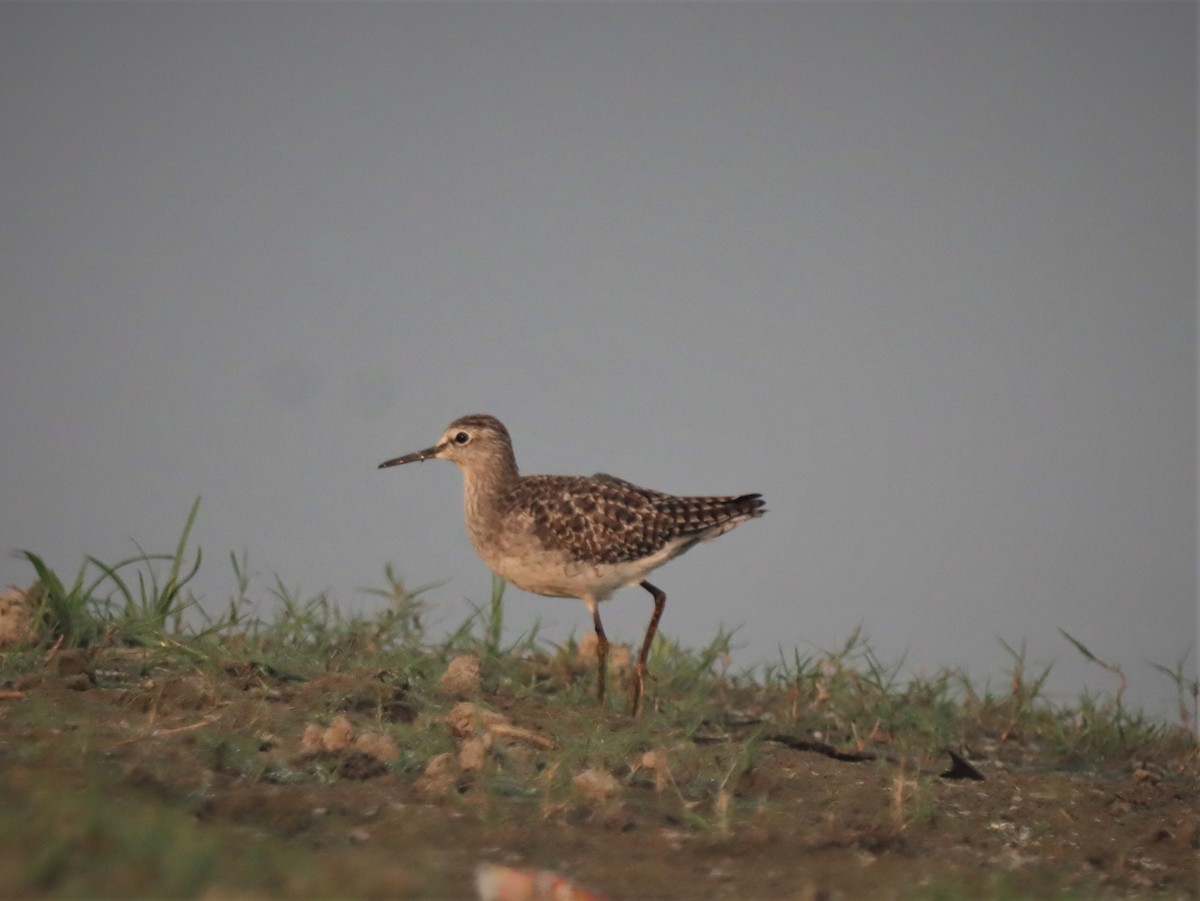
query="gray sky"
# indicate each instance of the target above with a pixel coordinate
(923, 274)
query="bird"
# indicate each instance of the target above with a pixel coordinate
(575, 536)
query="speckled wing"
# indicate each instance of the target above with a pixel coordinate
(607, 520)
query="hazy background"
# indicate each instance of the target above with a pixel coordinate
(923, 274)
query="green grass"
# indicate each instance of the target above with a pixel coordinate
(81, 615)
(847, 694)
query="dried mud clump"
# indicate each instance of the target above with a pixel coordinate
(478, 731)
(461, 677)
(351, 753)
(440, 778)
(17, 610)
(467, 720)
(596, 785)
(620, 657)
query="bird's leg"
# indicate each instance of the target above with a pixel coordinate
(638, 689)
(601, 650)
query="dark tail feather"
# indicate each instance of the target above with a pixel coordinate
(751, 505)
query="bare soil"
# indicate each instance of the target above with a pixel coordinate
(227, 747)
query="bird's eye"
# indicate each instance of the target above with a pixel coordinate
(462, 438)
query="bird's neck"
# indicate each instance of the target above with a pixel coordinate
(484, 486)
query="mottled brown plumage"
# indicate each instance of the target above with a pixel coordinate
(604, 519)
(575, 536)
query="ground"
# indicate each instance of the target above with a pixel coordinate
(223, 771)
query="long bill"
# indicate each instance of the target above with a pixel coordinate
(413, 458)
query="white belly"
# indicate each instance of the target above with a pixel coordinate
(532, 568)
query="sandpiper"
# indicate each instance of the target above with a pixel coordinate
(575, 536)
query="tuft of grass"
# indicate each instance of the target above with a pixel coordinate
(63, 615)
(1187, 692)
(79, 616)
